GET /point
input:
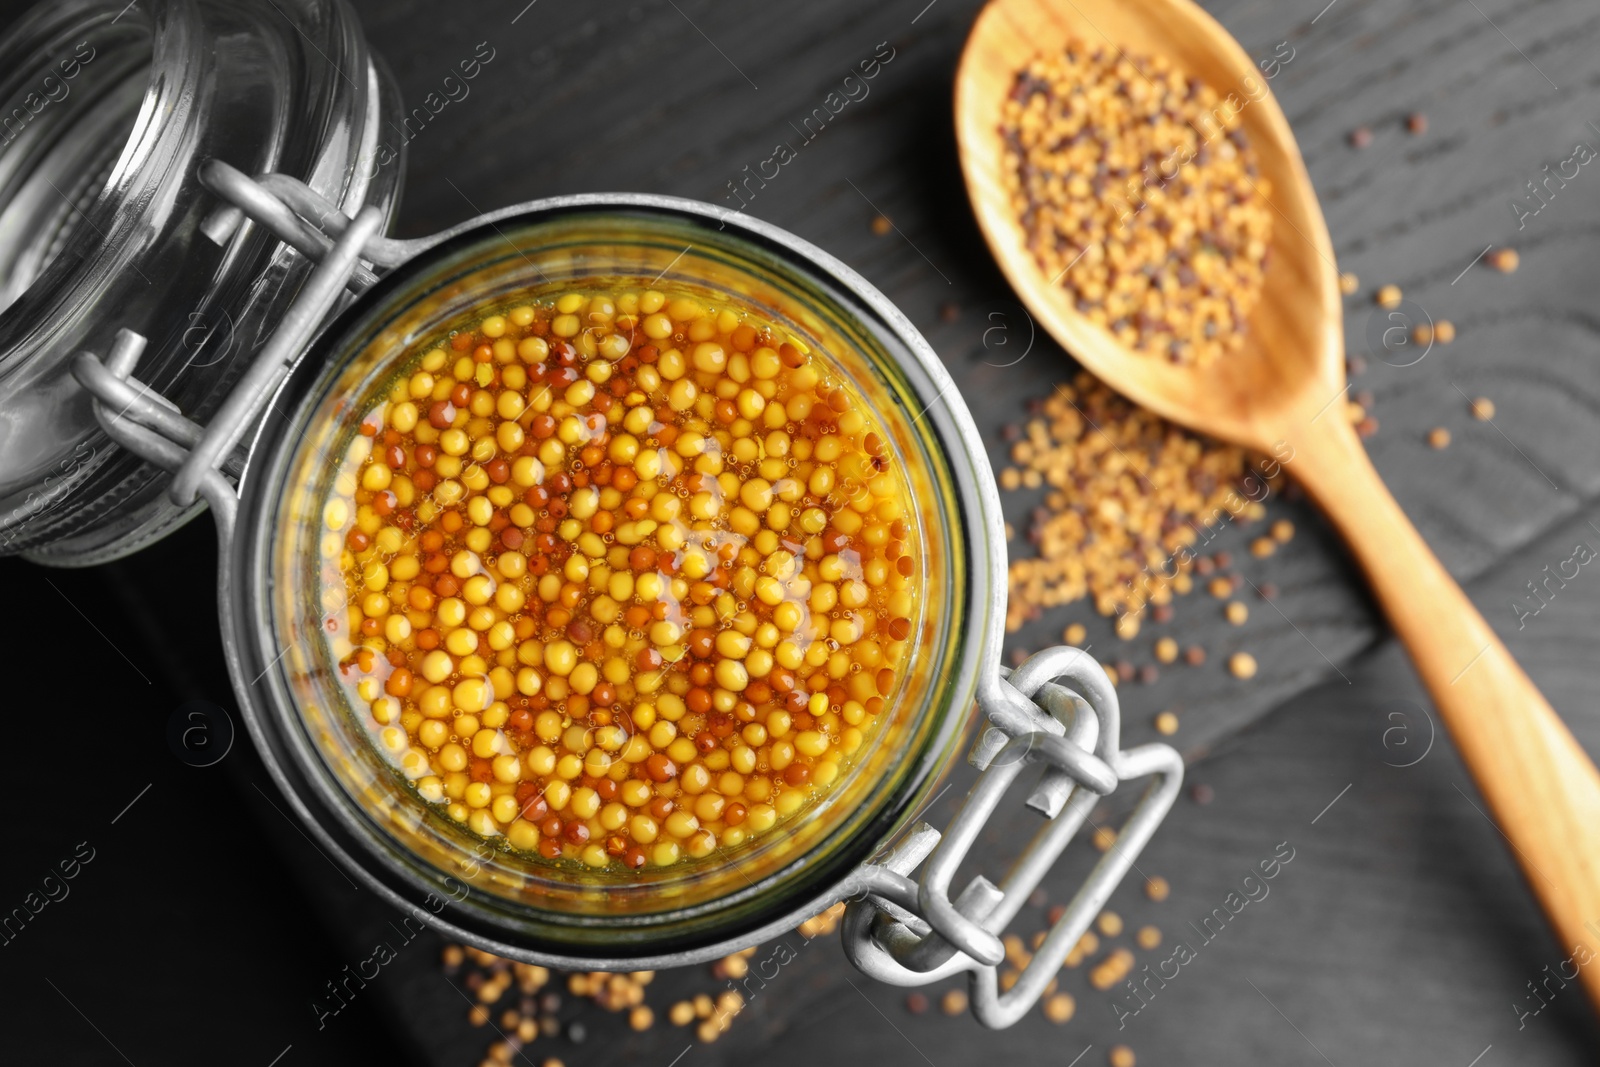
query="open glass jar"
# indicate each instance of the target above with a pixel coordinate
(268, 452)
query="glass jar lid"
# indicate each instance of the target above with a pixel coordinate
(107, 111)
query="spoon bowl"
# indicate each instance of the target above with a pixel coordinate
(1292, 362)
(1282, 392)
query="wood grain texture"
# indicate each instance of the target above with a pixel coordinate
(1401, 933)
(1278, 390)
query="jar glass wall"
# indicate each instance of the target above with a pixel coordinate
(107, 111)
(324, 750)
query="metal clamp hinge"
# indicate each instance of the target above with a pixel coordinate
(908, 930)
(146, 423)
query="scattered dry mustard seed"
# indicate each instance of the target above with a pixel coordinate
(1242, 665)
(1360, 137)
(1120, 1056)
(1166, 723)
(1060, 1008)
(1504, 260)
(1128, 495)
(1439, 437)
(1349, 284)
(1109, 924)
(1444, 331)
(954, 1002)
(1166, 650)
(1148, 937)
(1138, 192)
(1422, 334)
(1220, 587)
(1417, 123)
(681, 1013)
(1074, 634)
(1236, 612)
(1104, 837)
(1157, 888)
(1127, 626)
(881, 225)
(1111, 970)
(641, 1018)
(1388, 297)
(1483, 409)
(1282, 530)
(916, 1003)
(1194, 655)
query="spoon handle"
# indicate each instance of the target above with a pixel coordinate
(1543, 792)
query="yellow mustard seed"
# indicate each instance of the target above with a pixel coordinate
(1138, 192)
(581, 616)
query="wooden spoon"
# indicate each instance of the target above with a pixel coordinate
(1284, 391)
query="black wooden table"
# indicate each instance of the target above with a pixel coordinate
(206, 924)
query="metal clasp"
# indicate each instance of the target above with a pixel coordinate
(149, 425)
(909, 931)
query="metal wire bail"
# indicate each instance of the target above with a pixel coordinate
(149, 425)
(909, 931)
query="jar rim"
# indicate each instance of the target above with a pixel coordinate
(268, 703)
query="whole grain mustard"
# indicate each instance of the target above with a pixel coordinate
(630, 576)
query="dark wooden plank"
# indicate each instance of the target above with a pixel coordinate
(1401, 931)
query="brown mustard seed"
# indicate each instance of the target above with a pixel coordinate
(1388, 297)
(1138, 192)
(917, 1003)
(1438, 437)
(1202, 794)
(1060, 1008)
(954, 1002)
(1157, 888)
(1242, 665)
(1120, 1056)
(1416, 123)
(1349, 284)
(1148, 937)
(1504, 260)
(1483, 409)
(1166, 724)
(1194, 655)
(1236, 612)
(881, 225)
(1360, 137)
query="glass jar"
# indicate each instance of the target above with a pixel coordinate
(106, 111)
(265, 479)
